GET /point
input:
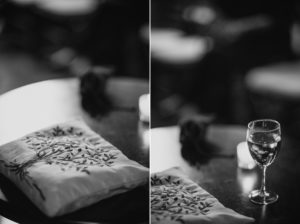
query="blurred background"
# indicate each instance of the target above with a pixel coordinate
(42, 39)
(231, 60)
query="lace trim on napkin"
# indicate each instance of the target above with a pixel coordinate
(66, 147)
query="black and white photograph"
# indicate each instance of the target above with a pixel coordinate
(225, 100)
(149, 111)
(74, 133)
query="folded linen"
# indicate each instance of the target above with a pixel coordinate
(177, 199)
(67, 167)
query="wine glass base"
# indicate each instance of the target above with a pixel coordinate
(269, 197)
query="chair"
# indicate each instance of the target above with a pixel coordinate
(275, 92)
(174, 60)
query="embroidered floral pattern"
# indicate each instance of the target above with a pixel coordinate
(68, 148)
(171, 199)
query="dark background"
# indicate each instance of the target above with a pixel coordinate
(245, 35)
(38, 44)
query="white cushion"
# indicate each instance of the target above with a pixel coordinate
(177, 199)
(68, 166)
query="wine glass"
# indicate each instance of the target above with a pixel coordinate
(264, 141)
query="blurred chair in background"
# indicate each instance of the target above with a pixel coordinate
(80, 33)
(175, 55)
(175, 58)
(243, 35)
(274, 89)
(275, 93)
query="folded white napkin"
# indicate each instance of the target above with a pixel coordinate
(177, 199)
(67, 167)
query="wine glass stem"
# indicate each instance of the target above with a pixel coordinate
(263, 183)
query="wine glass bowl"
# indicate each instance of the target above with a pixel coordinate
(264, 142)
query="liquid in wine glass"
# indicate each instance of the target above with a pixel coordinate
(264, 141)
(264, 147)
